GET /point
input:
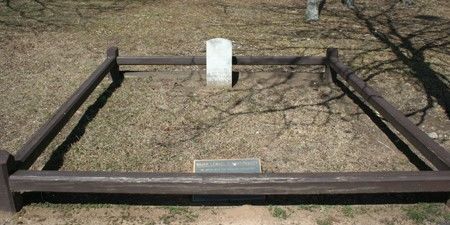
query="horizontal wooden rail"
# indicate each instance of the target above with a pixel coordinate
(432, 151)
(42, 137)
(230, 184)
(237, 60)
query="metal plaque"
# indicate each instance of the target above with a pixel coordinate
(227, 166)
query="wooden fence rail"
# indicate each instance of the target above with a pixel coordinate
(231, 184)
(432, 151)
(236, 60)
(41, 138)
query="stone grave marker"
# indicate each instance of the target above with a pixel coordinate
(219, 62)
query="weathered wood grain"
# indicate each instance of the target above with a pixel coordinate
(114, 71)
(236, 60)
(231, 184)
(329, 72)
(8, 200)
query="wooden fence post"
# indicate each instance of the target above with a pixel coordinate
(115, 74)
(9, 201)
(330, 74)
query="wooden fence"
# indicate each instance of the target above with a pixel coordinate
(16, 178)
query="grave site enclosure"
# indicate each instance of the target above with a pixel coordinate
(310, 131)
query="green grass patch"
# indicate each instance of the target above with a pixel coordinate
(348, 211)
(421, 213)
(177, 213)
(324, 221)
(310, 208)
(278, 212)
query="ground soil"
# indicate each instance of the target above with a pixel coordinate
(165, 117)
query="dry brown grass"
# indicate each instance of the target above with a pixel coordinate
(162, 124)
(290, 121)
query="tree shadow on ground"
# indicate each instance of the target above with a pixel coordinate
(44, 15)
(394, 138)
(409, 45)
(385, 30)
(186, 200)
(402, 35)
(226, 114)
(279, 90)
(421, 70)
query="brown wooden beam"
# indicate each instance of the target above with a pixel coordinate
(9, 201)
(42, 137)
(237, 60)
(432, 151)
(231, 184)
(329, 73)
(114, 71)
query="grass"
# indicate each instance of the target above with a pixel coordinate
(421, 213)
(48, 50)
(296, 130)
(310, 208)
(348, 211)
(177, 213)
(324, 221)
(278, 212)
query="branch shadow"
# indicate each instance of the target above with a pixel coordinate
(408, 37)
(421, 70)
(387, 30)
(394, 138)
(225, 114)
(56, 159)
(38, 15)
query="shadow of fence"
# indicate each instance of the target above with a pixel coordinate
(186, 200)
(56, 160)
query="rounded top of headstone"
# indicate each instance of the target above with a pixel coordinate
(219, 40)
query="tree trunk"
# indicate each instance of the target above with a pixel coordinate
(349, 3)
(312, 10)
(408, 2)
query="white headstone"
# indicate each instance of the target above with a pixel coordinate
(218, 62)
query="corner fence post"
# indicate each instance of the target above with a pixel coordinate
(9, 201)
(114, 71)
(330, 74)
